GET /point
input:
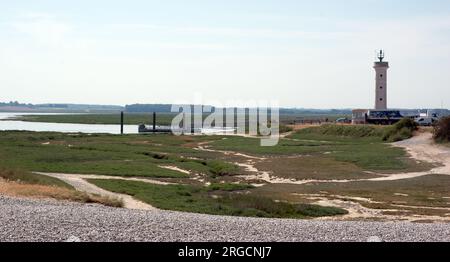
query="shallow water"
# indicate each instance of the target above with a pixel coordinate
(60, 127)
(74, 128)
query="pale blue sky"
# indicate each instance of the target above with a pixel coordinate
(315, 54)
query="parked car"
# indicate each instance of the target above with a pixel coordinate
(343, 120)
(426, 121)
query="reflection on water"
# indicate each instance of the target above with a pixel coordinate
(59, 127)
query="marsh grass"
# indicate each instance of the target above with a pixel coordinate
(217, 199)
(361, 146)
(106, 154)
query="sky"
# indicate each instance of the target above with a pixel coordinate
(304, 54)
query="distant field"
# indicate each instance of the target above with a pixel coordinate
(129, 119)
(290, 119)
(162, 118)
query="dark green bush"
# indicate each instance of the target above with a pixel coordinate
(285, 129)
(221, 168)
(402, 130)
(442, 130)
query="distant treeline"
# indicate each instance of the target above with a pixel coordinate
(166, 108)
(15, 103)
(146, 108)
(62, 107)
(295, 111)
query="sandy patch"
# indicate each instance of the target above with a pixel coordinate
(174, 168)
(358, 211)
(204, 147)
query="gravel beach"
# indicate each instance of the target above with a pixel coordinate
(48, 220)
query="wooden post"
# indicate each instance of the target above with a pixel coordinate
(154, 121)
(121, 123)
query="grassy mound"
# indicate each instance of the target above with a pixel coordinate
(400, 131)
(441, 131)
(357, 131)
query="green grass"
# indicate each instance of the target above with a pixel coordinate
(400, 131)
(228, 187)
(329, 156)
(131, 155)
(361, 146)
(217, 199)
(221, 168)
(343, 131)
(284, 147)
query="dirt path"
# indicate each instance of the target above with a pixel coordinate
(79, 183)
(422, 148)
(174, 168)
(204, 147)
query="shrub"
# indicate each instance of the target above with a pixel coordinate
(402, 130)
(228, 187)
(406, 123)
(285, 129)
(442, 130)
(221, 168)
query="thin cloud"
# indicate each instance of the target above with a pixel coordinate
(234, 32)
(43, 28)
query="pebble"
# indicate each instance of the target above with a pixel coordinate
(58, 221)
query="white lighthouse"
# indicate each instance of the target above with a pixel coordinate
(381, 82)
